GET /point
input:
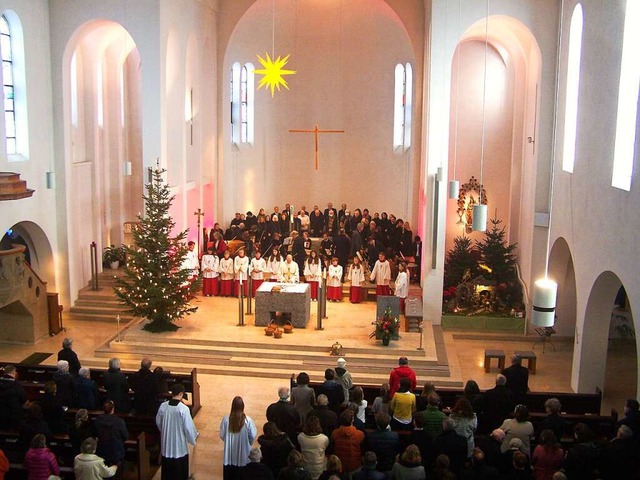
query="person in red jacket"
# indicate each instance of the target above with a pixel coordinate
(346, 441)
(401, 371)
(39, 461)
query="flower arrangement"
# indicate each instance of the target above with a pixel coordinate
(387, 327)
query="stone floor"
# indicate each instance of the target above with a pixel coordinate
(464, 351)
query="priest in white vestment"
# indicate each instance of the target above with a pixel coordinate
(289, 272)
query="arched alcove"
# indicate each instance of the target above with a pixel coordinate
(513, 70)
(562, 272)
(39, 253)
(592, 346)
(101, 73)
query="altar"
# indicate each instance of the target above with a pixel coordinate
(293, 298)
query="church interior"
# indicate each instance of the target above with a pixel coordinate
(425, 109)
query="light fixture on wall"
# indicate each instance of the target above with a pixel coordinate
(454, 185)
(51, 180)
(127, 168)
(480, 210)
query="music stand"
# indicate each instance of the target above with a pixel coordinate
(545, 336)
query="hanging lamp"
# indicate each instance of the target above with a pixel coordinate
(480, 210)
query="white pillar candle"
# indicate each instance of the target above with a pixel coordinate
(545, 292)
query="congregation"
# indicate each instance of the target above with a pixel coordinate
(330, 432)
(316, 430)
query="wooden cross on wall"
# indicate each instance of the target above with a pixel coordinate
(316, 131)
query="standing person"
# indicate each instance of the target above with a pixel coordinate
(518, 427)
(13, 398)
(284, 414)
(117, 386)
(226, 275)
(209, 266)
(466, 422)
(381, 274)
(147, 389)
(238, 432)
(219, 245)
(39, 461)
(517, 378)
(347, 441)
(258, 267)
(402, 285)
(317, 222)
(403, 370)
(313, 273)
(304, 220)
(298, 249)
(289, 271)
(547, 457)
(343, 377)
(241, 271)
(327, 249)
(342, 246)
(273, 265)
(313, 444)
(70, 356)
(88, 465)
(190, 261)
(357, 242)
(177, 430)
(303, 397)
(356, 277)
(334, 281)
(403, 406)
(111, 432)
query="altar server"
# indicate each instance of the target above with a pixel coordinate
(402, 285)
(258, 267)
(273, 265)
(210, 265)
(313, 273)
(289, 271)
(226, 275)
(241, 271)
(381, 274)
(334, 281)
(356, 277)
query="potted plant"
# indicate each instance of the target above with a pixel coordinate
(387, 327)
(113, 256)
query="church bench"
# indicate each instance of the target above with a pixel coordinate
(136, 456)
(573, 403)
(603, 426)
(40, 374)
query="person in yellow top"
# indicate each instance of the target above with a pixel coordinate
(403, 406)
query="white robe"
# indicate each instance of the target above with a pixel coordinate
(273, 267)
(312, 271)
(258, 267)
(334, 276)
(356, 275)
(176, 429)
(289, 272)
(210, 265)
(237, 445)
(402, 285)
(381, 273)
(226, 269)
(241, 268)
(190, 262)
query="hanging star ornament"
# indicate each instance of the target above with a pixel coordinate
(273, 72)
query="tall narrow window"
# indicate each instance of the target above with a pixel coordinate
(246, 103)
(8, 86)
(402, 107)
(234, 95)
(573, 90)
(627, 119)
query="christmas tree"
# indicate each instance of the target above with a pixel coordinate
(461, 261)
(496, 255)
(155, 285)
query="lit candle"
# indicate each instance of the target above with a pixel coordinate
(545, 292)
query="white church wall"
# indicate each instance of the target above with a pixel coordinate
(345, 59)
(40, 208)
(598, 221)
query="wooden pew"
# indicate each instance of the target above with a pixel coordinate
(40, 374)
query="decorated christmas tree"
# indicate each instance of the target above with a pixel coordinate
(155, 285)
(496, 255)
(460, 262)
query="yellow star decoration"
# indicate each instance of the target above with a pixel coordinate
(273, 72)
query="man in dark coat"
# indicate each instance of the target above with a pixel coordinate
(328, 418)
(70, 356)
(342, 246)
(112, 433)
(332, 389)
(88, 395)
(146, 390)
(517, 378)
(384, 443)
(499, 402)
(452, 445)
(631, 417)
(66, 383)
(13, 398)
(117, 386)
(284, 415)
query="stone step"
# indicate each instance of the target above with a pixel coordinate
(89, 303)
(98, 317)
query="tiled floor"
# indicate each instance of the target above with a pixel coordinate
(464, 351)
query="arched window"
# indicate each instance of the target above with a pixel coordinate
(246, 103)
(627, 119)
(8, 86)
(573, 89)
(402, 106)
(234, 96)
